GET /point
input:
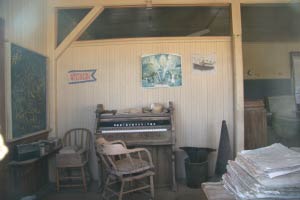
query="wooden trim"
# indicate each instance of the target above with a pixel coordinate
(143, 40)
(51, 71)
(2, 81)
(7, 70)
(78, 30)
(65, 4)
(28, 136)
(134, 3)
(238, 78)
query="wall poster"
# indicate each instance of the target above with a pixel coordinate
(161, 70)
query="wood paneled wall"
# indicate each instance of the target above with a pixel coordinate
(26, 23)
(268, 60)
(204, 100)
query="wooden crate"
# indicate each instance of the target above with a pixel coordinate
(255, 124)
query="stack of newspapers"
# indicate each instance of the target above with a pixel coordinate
(271, 172)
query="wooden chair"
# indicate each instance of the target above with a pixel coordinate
(125, 166)
(74, 155)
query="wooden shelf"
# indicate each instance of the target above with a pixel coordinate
(30, 161)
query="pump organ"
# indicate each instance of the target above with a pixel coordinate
(154, 131)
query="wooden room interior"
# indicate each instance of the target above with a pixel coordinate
(153, 77)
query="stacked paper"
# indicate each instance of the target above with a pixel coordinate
(271, 172)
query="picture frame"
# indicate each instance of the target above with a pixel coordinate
(161, 70)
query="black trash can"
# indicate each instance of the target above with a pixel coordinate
(196, 165)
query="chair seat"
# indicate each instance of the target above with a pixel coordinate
(70, 160)
(70, 149)
(129, 166)
(138, 176)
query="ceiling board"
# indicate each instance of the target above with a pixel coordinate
(273, 22)
(260, 23)
(142, 22)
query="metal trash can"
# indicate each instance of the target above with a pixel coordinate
(196, 165)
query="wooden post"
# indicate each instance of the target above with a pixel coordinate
(54, 53)
(174, 184)
(2, 82)
(238, 79)
(51, 71)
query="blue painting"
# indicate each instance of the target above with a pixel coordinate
(161, 70)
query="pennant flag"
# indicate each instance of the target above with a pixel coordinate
(81, 76)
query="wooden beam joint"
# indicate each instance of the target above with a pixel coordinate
(78, 30)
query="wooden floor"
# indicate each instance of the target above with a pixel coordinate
(183, 193)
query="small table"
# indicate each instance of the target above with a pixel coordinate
(29, 176)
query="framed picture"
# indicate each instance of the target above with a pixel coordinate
(161, 70)
(204, 63)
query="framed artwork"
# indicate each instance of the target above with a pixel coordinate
(204, 63)
(161, 70)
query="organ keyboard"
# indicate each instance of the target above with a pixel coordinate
(155, 131)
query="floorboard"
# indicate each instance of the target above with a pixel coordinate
(183, 193)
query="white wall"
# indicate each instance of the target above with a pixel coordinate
(204, 100)
(268, 60)
(1, 9)
(26, 23)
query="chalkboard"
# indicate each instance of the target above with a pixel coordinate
(28, 91)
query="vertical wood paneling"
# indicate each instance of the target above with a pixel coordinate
(26, 23)
(204, 100)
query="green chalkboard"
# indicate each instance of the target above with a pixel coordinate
(28, 91)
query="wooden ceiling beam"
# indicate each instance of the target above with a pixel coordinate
(65, 4)
(91, 3)
(78, 30)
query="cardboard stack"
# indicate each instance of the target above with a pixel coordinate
(271, 172)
